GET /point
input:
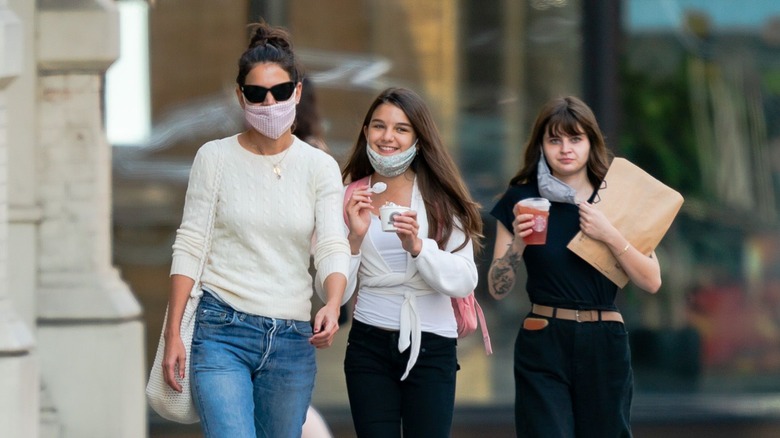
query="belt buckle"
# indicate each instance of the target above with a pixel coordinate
(577, 315)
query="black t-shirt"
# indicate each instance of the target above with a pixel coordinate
(556, 276)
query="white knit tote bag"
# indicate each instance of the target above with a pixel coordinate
(170, 404)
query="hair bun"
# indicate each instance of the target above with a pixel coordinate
(263, 35)
(268, 44)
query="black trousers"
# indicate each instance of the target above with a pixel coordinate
(573, 379)
(382, 405)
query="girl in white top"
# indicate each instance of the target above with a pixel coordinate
(252, 361)
(401, 358)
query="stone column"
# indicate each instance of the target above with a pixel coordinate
(18, 365)
(89, 327)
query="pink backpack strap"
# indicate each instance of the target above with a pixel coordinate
(348, 193)
(483, 326)
(480, 316)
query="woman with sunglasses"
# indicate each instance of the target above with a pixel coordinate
(571, 360)
(401, 358)
(253, 351)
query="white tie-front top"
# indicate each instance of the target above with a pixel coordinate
(416, 295)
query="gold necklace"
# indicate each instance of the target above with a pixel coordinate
(277, 167)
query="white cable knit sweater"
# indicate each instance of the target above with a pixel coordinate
(259, 257)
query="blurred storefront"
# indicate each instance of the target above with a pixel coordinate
(687, 89)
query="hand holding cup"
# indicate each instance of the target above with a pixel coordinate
(387, 214)
(539, 208)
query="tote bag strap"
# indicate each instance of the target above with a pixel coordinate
(196, 289)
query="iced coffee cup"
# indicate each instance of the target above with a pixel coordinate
(540, 208)
(387, 214)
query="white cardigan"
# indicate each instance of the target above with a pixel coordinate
(436, 274)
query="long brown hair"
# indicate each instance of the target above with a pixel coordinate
(442, 188)
(570, 116)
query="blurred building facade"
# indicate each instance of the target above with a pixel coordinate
(687, 89)
(71, 354)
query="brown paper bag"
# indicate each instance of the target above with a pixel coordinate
(639, 206)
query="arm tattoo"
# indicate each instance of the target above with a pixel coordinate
(502, 273)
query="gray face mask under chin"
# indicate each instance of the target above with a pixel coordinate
(391, 165)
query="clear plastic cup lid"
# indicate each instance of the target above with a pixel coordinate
(537, 203)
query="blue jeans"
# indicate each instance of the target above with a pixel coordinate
(252, 376)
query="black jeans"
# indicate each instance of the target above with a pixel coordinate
(382, 405)
(573, 379)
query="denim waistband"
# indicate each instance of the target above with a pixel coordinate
(209, 296)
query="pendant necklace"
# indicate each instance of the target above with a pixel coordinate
(277, 165)
(277, 168)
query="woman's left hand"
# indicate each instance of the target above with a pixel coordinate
(407, 228)
(326, 324)
(594, 224)
(645, 272)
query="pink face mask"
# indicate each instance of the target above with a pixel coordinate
(271, 120)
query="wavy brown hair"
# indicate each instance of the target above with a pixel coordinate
(441, 185)
(570, 116)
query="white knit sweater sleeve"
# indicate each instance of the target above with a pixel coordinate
(190, 237)
(331, 252)
(352, 271)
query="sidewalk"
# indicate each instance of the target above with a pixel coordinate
(497, 423)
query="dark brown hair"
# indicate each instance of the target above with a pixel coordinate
(268, 44)
(442, 188)
(308, 123)
(570, 116)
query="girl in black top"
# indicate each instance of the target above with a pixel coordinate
(572, 362)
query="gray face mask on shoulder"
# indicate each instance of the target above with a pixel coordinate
(551, 187)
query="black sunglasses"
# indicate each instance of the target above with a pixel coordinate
(256, 93)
